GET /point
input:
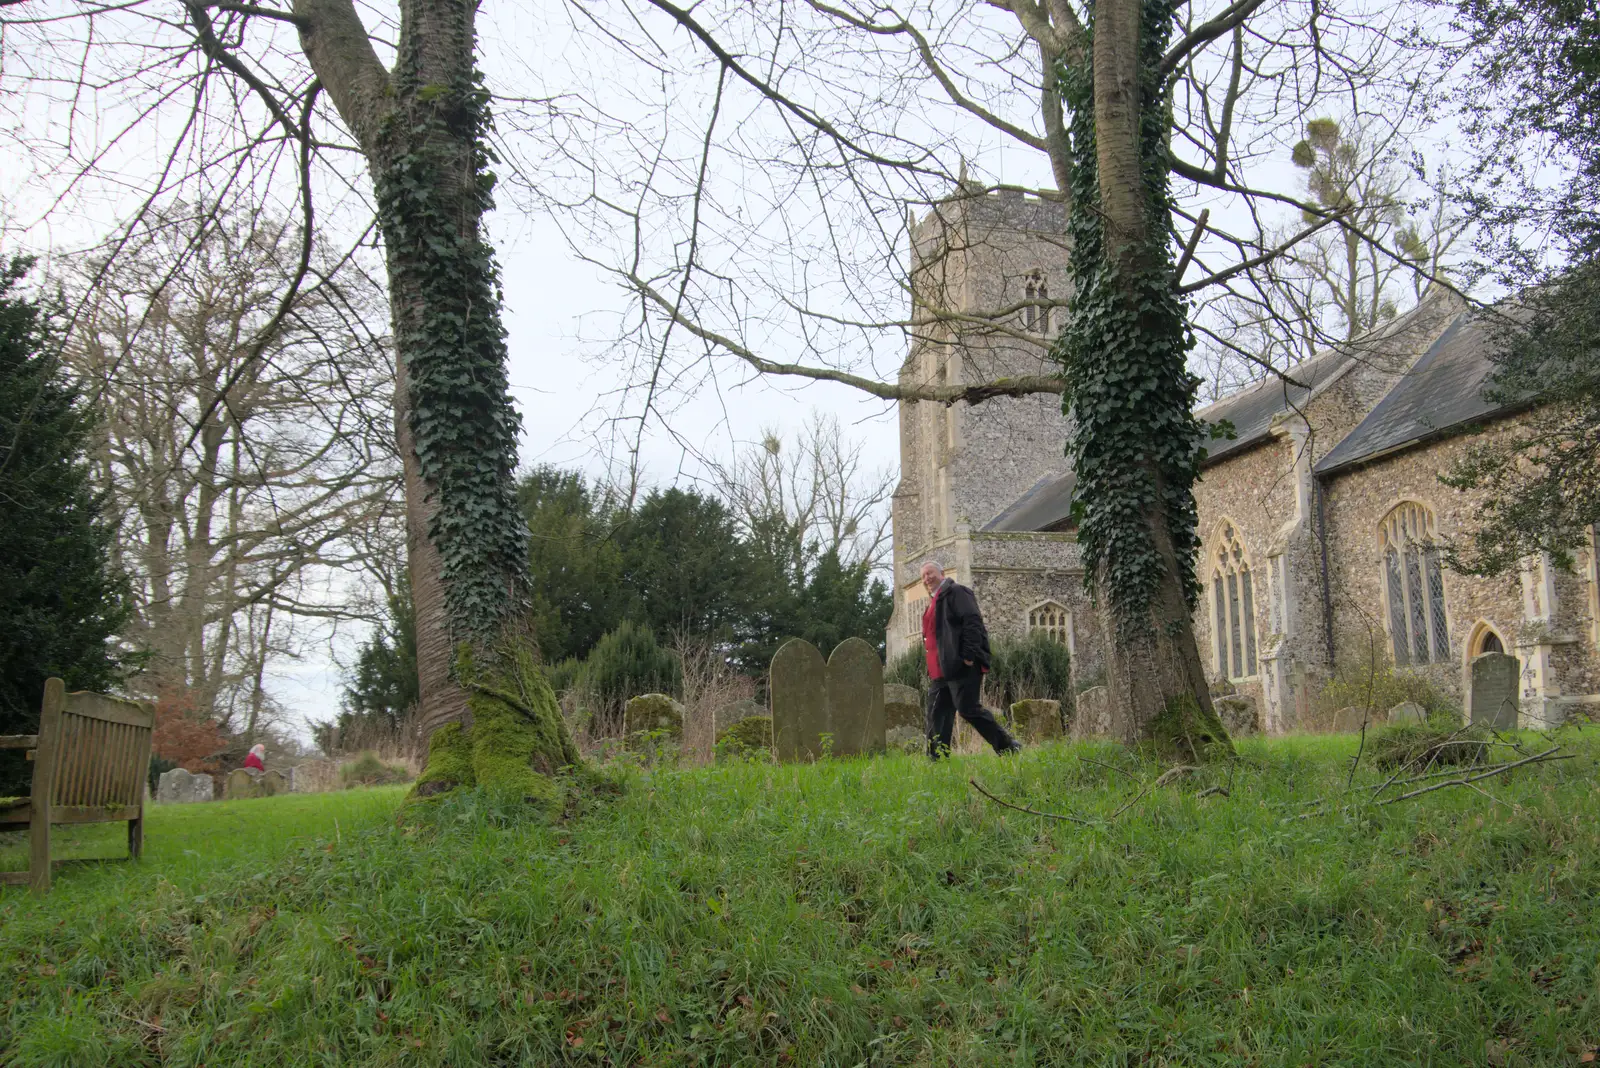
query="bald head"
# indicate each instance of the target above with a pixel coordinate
(932, 576)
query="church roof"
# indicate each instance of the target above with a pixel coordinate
(1046, 504)
(1251, 410)
(1444, 390)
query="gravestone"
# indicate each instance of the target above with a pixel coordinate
(729, 714)
(1036, 720)
(1238, 714)
(271, 784)
(1494, 690)
(855, 698)
(180, 787)
(1093, 718)
(799, 693)
(240, 784)
(902, 707)
(1408, 712)
(653, 712)
(1347, 720)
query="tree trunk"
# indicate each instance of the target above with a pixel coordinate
(487, 712)
(1131, 396)
(439, 699)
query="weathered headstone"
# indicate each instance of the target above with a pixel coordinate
(1093, 717)
(653, 712)
(180, 787)
(1494, 690)
(902, 707)
(239, 785)
(729, 714)
(799, 693)
(1238, 714)
(1408, 712)
(271, 783)
(1348, 720)
(1036, 720)
(855, 699)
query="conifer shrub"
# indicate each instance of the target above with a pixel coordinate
(627, 662)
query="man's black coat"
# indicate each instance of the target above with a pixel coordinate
(958, 630)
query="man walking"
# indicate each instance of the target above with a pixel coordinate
(957, 646)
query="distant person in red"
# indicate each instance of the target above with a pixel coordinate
(253, 761)
(957, 646)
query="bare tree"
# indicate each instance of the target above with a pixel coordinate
(817, 484)
(248, 482)
(235, 97)
(756, 210)
(1333, 286)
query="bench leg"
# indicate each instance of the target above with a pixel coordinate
(39, 855)
(135, 838)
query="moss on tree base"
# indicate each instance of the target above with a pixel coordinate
(517, 742)
(1186, 733)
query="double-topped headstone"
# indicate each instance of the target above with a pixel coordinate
(841, 698)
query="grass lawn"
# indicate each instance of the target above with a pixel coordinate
(848, 913)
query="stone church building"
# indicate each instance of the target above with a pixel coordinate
(1320, 517)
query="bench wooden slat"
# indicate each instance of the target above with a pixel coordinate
(93, 813)
(22, 813)
(109, 709)
(18, 741)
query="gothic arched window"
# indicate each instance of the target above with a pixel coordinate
(1036, 320)
(1233, 606)
(1052, 619)
(1413, 586)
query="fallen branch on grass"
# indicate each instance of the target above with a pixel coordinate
(1538, 758)
(1160, 780)
(1024, 808)
(1548, 756)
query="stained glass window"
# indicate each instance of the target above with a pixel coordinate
(1233, 595)
(1413, 584)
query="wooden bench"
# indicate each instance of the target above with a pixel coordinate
(91, 759)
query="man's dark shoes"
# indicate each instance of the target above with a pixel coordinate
(1014, 747)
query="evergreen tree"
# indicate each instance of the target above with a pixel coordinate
(576, 564)
(61, 598)
(1537, 86)
(684, 566)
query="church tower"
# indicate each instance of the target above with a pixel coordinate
(989, 283)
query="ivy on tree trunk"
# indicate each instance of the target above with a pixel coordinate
(1135, 445)
(423, 127)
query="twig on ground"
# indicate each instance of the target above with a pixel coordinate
(1112, 767)
(1538, 758)
(1209, 790)
(1024, 808)
(1160, 780)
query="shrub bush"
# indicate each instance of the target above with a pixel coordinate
(910, 668)
(625, 663)
(368, 770)
(1381, 690)
(1035, 666)
(1436, 742)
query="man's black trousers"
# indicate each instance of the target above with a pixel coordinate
(946, 697)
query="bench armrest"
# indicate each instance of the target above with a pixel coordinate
(18, 741)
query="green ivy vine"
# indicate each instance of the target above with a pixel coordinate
(447, 296)
(1135, 445)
